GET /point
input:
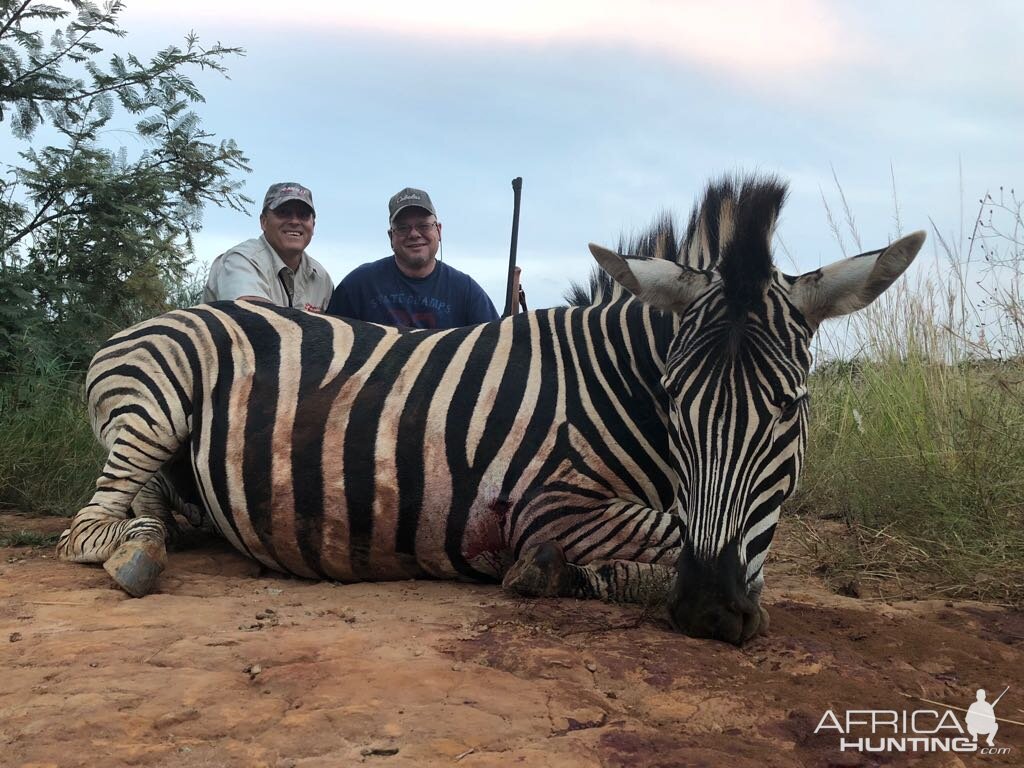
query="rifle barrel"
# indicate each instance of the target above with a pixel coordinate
(510, 299)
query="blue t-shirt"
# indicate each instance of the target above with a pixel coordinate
(379, 292)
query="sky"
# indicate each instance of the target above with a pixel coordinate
(611, 112)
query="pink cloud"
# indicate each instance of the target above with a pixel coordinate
(750, 39)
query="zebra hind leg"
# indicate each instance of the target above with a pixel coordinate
(160, 498)
(131, 549)
(543, 571)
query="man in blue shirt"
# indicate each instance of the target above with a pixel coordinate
(411, 288)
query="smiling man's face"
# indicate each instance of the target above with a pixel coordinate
(415, 238)
(288, 228)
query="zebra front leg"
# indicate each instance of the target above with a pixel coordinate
(543, 571)
(619, 550)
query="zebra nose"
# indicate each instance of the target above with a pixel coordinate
(709, 599)
(728, 622)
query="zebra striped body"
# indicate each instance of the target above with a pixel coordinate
(343, 450)
(576, 451)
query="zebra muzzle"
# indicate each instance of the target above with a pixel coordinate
(709, 598)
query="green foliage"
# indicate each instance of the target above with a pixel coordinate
(901, 437)
(23, 538)
(917, 440)
(48, 454)
(90, 239)
(925, 462)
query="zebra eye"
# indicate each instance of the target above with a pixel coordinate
(789, 408)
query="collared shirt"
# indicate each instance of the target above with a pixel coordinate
(253, 268)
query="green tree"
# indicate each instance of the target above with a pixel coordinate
(90, 238)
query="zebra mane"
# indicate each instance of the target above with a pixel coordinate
(657, 242)
(729, 230)
(743, 225)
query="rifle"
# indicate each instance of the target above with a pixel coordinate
(515, 296)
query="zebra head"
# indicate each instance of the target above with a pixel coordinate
(736, 380)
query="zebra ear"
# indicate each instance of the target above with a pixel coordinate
(661, 283)
(852, 284)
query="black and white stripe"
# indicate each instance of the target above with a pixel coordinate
(344, 450)
(662, 431)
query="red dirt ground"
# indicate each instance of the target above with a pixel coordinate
(228, 666)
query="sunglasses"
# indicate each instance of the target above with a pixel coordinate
(300, 212)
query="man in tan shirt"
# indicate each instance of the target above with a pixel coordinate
(275, 267)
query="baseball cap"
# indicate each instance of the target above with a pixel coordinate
(409, 198)
(284, 191)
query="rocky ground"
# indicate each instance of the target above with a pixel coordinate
(228, 666)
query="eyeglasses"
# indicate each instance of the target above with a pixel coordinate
(424, 228)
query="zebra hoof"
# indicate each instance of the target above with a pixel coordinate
(541, 571)
(135, 566)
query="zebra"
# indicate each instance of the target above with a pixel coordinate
(648, 438)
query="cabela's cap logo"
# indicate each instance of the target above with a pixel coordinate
(409, 198)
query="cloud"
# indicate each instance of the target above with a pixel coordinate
(745, 39)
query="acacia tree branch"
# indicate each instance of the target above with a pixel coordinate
(95, 23)
(136, 78)
(39, 220)
(14, 17)
(66, 94)
(52, 60)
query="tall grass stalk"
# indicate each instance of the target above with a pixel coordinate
(918, 421)
(49, 458)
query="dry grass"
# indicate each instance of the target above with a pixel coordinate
(888, 564)
(917, 434)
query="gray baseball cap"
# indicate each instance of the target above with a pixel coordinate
(409, 198)
(282, 192)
